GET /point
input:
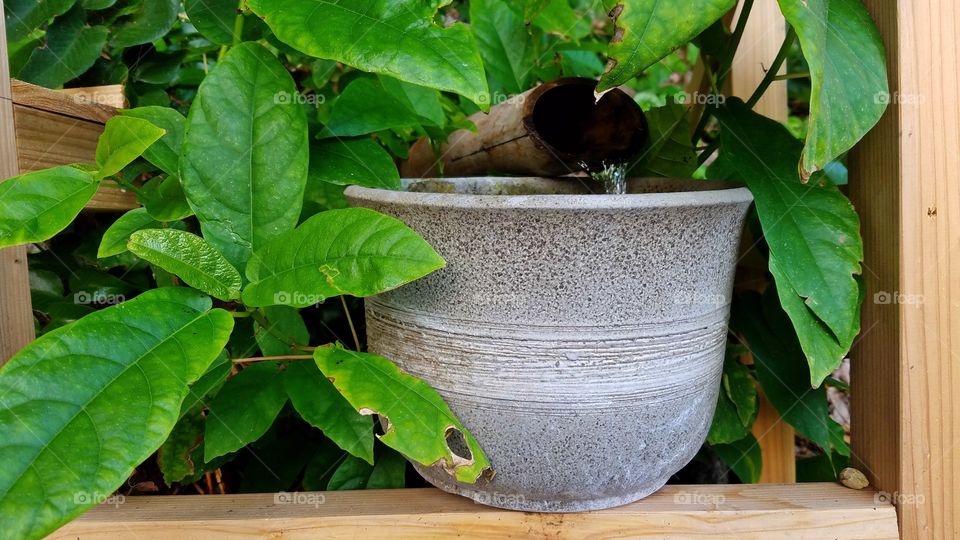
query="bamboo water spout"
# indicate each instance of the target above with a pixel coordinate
(551, 130)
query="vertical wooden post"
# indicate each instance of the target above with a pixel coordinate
(761, 41)
(905, 181)
(16, 317)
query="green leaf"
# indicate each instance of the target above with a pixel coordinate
(37, 205)
(727, 426)
(505, 44)
(123, 140)
(352, 114)
(352, 251)
(319, 403)
(83, 405)
(781, 366)
(848, 74)
(320, 470)
(739, 386)
(182, 452)
(245, 153)
(558, 18)
(24, 16)
(114, 241)
(812, 229)
(668, 151)
(389, 472)
(191, 258)
(354, 32)
(208, 383)
(213, 18)
(353, 473)
(164, 199)
(165, 153)
(244, 409)
(152, 20)
(345, 162)
(743, 457)
(418, 421)
(285, 328)
(648, 30)
(72, 48)
(280, 458)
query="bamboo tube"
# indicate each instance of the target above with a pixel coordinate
(547, 131)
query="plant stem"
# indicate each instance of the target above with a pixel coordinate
(237, 31)
(791, 76)
(269, 358)
(774, 68)
(353, 330)
(735, 38)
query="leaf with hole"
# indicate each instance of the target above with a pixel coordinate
(418, 421)
(353, 251)
(112, 382)
(191, 258)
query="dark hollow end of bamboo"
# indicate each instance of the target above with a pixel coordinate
(551, 130)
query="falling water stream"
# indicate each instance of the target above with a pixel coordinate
(612, 176)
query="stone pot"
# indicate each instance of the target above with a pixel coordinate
(579, 337)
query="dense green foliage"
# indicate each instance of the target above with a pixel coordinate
(246, 125)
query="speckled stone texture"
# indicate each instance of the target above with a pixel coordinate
(580, 338)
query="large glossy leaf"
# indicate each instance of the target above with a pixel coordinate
(165, 153)
(418, 421)
(85, 404)
(245, 153)
(648, 30)
(319, 403)
(72, 47)
(37, 205)
(781, 367)
(354, 32)
(123, 140)
(25, 16)
(505, 44)
(812, 229)
(244, 409)
(152, 20)
(191, 258)
(352, 251)
(344, 162)
(848, 74)
(114, 241)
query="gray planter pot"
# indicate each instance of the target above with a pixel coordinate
(580, 338)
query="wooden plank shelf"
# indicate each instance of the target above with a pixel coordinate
(61, 127)
(822, 510)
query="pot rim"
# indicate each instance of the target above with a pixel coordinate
(734, 194)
